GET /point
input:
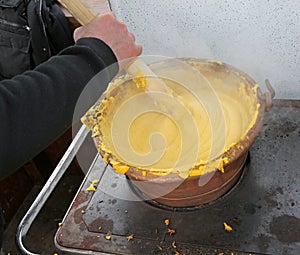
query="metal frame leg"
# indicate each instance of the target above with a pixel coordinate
(46, 191)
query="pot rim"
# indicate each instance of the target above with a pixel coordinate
(243, 145)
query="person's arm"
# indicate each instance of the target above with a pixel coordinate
(37, 106)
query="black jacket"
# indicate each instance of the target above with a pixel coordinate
(37, 106)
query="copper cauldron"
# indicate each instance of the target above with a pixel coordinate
(207, 179)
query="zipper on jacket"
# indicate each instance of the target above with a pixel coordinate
(12, 24)
(43, 26)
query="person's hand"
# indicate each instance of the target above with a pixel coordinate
(114, 33)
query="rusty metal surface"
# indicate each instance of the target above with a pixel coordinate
(132, 218)
(263, 209)
(80, 232)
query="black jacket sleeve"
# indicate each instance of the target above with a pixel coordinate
(37, 106)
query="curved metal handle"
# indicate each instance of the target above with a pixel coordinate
(267, 96)
(46, 191)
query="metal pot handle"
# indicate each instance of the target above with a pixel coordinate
(267, 96)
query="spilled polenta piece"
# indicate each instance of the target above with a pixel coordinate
(227, 227)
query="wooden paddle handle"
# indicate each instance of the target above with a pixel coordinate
(84, 15)
(79, 10)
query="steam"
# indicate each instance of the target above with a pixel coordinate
(260, 38)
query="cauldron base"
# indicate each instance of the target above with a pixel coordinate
(156, 203)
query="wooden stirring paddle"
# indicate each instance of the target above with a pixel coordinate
(84, 15)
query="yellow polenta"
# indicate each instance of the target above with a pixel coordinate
(188, 134)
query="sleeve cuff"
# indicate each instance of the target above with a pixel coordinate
(101, 49)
